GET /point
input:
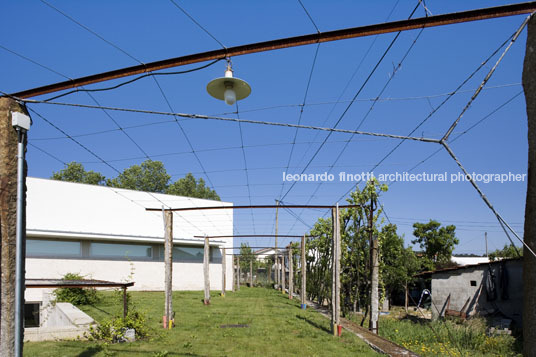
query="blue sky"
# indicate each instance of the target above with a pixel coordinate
(244, 163)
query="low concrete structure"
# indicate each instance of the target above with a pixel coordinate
(58, 321)
(487, 289)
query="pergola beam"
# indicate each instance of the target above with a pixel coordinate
(342, 34)
(245, 207)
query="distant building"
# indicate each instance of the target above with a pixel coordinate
(492, 289)
(106, 233)
(265, 254)
(469, 260)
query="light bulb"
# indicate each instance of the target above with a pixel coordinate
(229, 96)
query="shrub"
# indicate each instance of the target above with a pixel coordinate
(113, 330)
(76, 296)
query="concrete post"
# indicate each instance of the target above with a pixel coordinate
(290, 274)
(336, 268)
(303, 291)
(283, 273)
(238, 272)
(206, 273)
(168, 274)
(223, 271)
(8, 217)
(374, 272)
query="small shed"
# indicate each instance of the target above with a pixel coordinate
(492, 289)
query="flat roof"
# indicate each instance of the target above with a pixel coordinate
(83, 283)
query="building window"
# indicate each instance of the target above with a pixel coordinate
(119, 250)
(31, 315)
(473, 282)
(188, 254)
(52, 248)
(192, 254)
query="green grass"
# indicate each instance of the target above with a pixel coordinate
(277, 326)
(451, 337)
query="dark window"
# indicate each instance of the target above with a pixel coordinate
(31, 315)
(473, 282)
(52, 248)
(123, 250)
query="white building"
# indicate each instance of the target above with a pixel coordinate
(469, 260)
(106, 233)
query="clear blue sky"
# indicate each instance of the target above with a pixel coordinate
(439, 61)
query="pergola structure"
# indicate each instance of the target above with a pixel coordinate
(336, 256)
(82, 283)
(438, 20)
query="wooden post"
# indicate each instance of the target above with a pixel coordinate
(290, 274)
(206, 273)
(374, 273)
(270, 272)
(125, 303)
(238, 272)
(338, 276)
(303, 275)
(283, 273)
(233, 266)
(8, 220)
(277, 276)
(251, 273)
(223, 271)
(168, 258)
(336, 269)
(529, 261)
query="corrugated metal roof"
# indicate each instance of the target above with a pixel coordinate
(465, 266)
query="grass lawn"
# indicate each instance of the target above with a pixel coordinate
(277, 326)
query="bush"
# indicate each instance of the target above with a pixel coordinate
(76, 296)
(113, 330)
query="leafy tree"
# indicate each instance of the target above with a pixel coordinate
(355, 257)
(436, 241)
(246, 256)
(189, 186)
(398, 264)
(509, 251)
(150, 176)
(75, 172)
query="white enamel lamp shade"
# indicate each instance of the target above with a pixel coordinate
(217, 87)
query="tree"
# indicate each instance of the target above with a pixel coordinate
(75, 172)
(189, 186)
(150, 176)
(247, 257)
(436, 241)
(398, 264)
(508, 251)
(355, 249)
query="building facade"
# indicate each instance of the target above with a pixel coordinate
(493, 289)
(106, 233)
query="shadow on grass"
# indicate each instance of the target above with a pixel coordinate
(415, 319)
(91, 351)
(314, 324)
(94, 350)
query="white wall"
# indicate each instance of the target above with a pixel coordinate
(147, 275)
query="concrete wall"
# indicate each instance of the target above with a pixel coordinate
(148, 275)
(457, 285)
